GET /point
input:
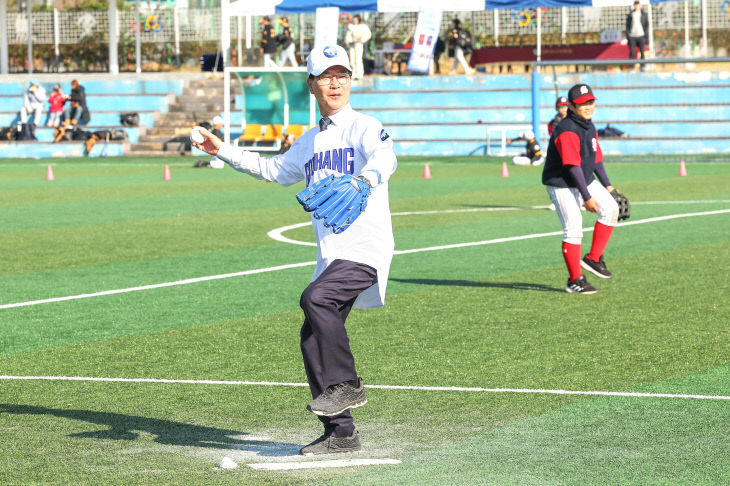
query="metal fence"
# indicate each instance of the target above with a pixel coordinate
(675, 25)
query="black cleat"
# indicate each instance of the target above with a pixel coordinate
(597, 268)
(338, 398)
(329, 444)
(580, 286)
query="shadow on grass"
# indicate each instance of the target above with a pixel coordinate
(469, 283)
(123, 427)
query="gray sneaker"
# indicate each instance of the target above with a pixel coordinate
(338, 398)
(329, 444)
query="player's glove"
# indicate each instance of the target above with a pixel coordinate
(624, 208)
(338, 201)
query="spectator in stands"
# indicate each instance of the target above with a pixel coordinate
(533, 152)
(268, 43)
(637, 30)
(561, 105)
(217, 126)
(286, 41)
(79, 112)
(459, 44)
(357, 35)
(33, 101)
(56, 101)
(438, 49)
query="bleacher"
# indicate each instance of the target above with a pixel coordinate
(663, 113)
(106, 100)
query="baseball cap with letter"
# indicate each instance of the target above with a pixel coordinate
(562, 101)
(324, 57)
(580, 93)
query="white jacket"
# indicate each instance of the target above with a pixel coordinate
(357, 33)
(355, 144)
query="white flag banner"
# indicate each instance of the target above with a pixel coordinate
(326, 23)
(424, 40)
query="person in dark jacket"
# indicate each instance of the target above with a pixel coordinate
(637, 30)
(268, 42)
(574, 162)
(79, 112)
(438, 49)
(460, 45)
(287, 44)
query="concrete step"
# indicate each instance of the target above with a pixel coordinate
(168, 131)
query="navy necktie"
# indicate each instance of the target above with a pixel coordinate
(324, 123)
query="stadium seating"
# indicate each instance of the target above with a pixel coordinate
(450, 115)
(106, 100)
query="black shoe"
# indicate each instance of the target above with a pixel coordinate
(338, 398)
(329, 444)
(597, 268)
(580, 286)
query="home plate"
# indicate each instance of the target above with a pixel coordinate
(284, 466)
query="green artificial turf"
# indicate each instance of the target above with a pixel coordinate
(492, 315)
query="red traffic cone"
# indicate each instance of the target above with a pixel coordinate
(682, 169)
(49, 174)
(505, 172)
(426, 172)
(166, 175)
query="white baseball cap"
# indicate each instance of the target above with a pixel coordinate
(217, 120)
(324, 57)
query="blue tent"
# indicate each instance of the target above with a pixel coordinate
(271, 7)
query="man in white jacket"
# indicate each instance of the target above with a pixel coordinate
(352, 266)
(33, 102)
(357, 35)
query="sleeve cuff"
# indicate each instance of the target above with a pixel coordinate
(226, 153)
(372, 177)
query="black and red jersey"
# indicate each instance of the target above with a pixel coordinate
(574, 142)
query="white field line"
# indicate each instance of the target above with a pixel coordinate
(304, 264)
(287, 466)
(277, 233)
(159, 285)
(377, 387)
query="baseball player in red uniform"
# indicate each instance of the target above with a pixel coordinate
(573, 158)
(561, 106)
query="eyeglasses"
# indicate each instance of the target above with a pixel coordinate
(326, 79)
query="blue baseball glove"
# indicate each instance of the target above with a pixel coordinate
(336, 200)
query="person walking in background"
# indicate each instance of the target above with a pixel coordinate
(56, 101)
(353, 263)
(573, 158)
(637, 30)
(357, 35)
(79, 112)
(286, 41)
(33, 101)
(438, 49)
(561, 106)
(268, 42)
(459, 44)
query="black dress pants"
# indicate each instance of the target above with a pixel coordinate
(328, 360)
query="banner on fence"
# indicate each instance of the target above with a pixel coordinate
(424, 40)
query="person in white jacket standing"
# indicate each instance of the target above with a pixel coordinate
(353, 265)
(33, 102)
(357, 35)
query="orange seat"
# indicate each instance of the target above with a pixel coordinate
(255, 132)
